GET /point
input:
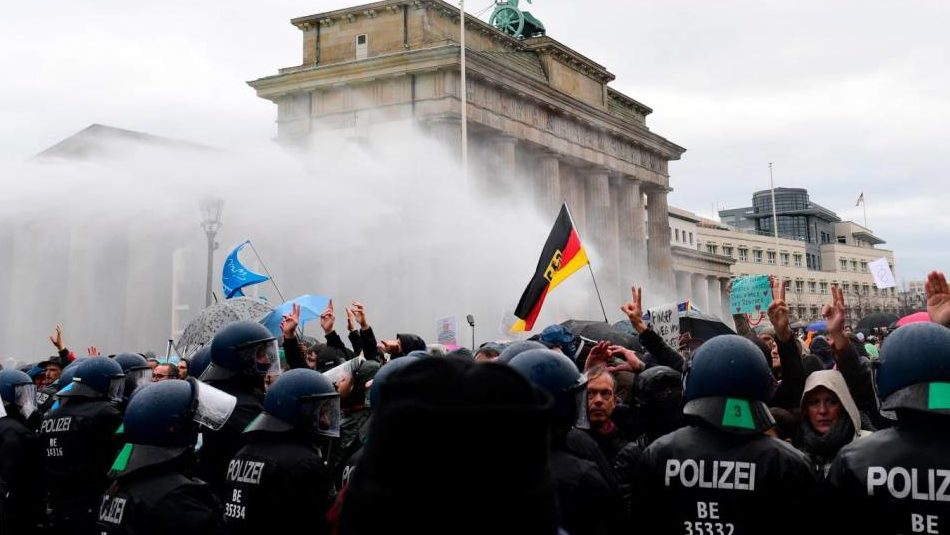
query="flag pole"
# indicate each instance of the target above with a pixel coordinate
(864, 205)
(592, 277)
(264, 266)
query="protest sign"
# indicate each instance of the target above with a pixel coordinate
(446, 331)
(666, 323)
(750, 295)
(881, 271)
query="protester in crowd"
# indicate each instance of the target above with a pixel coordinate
(151, 488)
(430, 467)
(182, 368)
(242, 353)
(788, 392)
(22, 501)
(830, 419)
(46, 398)
(402, 345)
(659, 353)
(601, 403)
(80, 442)
(284, 455)
(746, 474)
(164, 372)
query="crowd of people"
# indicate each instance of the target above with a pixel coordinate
(753, 433)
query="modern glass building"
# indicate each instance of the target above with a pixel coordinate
(798, 219)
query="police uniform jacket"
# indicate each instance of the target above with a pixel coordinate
(21, 491)
(218, 447)
(898, 479)
(80, 442)
(699, 480)
(158, 499)
(277, 483)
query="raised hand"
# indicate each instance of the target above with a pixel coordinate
(359, 313)
(778, 311)
(350, 319)
(288, 325)
(57, 338)
(938, 298)
(328, 319)
(632, 360)
(834, 316)
(598, 355)
(92, 351)
(634, 310)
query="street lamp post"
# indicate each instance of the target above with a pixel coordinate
(211, 223)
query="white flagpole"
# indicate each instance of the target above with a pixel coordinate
(774, 211)
(464, 94)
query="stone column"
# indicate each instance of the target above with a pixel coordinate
(659, 255)
(714, 296)
(684, 286)
(448, 130)
(597, 192)
(549, 183)
(503, 162)
(632, 234)
(699, 295)
(724, 299)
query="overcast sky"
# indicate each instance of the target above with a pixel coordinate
(844, 96)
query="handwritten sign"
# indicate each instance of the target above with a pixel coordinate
(666, 323)
(881, 271)
(446, 331)
(750, 295)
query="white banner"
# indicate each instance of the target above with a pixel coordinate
(881, 271)
(666, 323)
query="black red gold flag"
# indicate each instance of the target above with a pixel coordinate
(563, 254)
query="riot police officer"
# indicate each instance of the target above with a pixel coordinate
(21, 499)
(242, 353)
(46, 397)
(151, 491)
(137, 373)
(281, 468)
(898, 480)
(80, 442)
(720, 473)
(587, 500)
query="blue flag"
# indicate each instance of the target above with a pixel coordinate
(236, 276)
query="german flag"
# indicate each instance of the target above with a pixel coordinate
(562, 255)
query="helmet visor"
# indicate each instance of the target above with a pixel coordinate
(341, 371)
(321, 415)
(213, 407)
(581, 398)
(139, 377)
(263, 357)
(24, 397)
(116, 388)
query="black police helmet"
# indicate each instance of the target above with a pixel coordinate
(9, 380)
(97, 377)
(199, 361)
(513, 349)
(557, 375)
(233, 350)
(131, 361)
(160, 414)
(384, 372)
(914, 368)
(301, 399)
(728, 385)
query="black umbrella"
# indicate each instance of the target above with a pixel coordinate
(876, 320)
(702, 326)
(599, 330)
